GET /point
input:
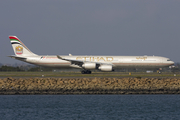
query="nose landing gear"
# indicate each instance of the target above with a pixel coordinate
(86, 72)
(159, 71)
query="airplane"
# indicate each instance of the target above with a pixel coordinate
(86, 63)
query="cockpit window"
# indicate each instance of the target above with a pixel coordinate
(168, 60)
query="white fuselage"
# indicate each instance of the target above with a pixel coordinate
(116, 61)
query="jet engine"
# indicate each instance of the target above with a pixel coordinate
(106, 68)
(89, 66)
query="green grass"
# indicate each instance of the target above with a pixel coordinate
(78, 74)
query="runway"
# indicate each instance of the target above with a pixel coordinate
(94, 74)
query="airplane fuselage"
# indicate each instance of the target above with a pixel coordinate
(116, 61)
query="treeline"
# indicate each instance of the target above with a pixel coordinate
(5, 68)
(10, 68)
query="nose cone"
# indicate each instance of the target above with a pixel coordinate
(171, 63)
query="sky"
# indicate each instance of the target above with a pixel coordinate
(91, 27)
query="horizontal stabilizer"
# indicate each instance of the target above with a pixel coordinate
(18, 58)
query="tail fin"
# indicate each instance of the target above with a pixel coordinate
(19, 48)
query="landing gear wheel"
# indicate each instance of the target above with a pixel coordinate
(86, 72)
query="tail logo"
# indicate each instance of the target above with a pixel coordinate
(19, 50)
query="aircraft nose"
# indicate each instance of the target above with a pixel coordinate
(172, 63)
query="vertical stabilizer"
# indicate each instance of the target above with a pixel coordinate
(19, 48)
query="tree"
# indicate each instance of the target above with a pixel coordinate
(9, 68)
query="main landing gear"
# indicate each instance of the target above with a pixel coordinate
(86, 72)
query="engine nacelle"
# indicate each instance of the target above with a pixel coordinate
(89, 66)
(106, 68)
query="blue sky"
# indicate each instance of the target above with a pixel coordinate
(91, 27)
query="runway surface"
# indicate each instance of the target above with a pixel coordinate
(79, 75)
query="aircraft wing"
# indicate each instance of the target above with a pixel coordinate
(76, 62)
(80, 62)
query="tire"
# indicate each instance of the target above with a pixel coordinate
(86, 72)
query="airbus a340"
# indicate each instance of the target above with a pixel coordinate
(86, 63)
